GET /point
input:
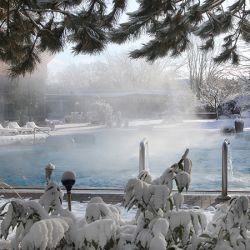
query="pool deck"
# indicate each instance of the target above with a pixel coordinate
(201, 199)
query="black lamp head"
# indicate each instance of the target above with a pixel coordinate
(68, 180)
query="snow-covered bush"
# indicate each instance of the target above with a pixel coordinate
(47, 225)
(101, 112)
(228, 229)
(161, 222)
(52, 232)
(97, 209)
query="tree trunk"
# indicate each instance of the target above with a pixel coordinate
(216, 108)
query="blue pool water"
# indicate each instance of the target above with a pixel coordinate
(109, 157)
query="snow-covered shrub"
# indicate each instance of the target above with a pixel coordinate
(47, 225)
(51, 230)
(145, 176)
(52, 198)
(229, 228)
(124, 236)
(146, 196)
(158, 226)
(100, 234)
(21, 215)
(97, 209)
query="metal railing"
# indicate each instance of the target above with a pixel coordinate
(224, 171)
(143, 155)
(39, 130)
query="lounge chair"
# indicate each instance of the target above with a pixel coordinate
(32, 125)
(7, 131)
(21, 130)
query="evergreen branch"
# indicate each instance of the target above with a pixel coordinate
(129, 30)
(8, 18)
(2, 23)
(208, 5)
(49, 10)
(26, 63)
(33, 21)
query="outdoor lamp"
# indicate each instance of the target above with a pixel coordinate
(68, 180)
(48, 171)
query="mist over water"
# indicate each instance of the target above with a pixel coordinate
(109, 157)
(133, 100)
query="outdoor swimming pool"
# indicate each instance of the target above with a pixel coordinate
(109, 157)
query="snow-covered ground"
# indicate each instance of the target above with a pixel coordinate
(197, 123)
(79, 209)
(64, 129)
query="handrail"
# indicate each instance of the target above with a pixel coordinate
(224, 170)
(38, 129)
(143, 162)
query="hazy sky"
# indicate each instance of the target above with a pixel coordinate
(66, 58)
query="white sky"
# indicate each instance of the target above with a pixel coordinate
(66, 58)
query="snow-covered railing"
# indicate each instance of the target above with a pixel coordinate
(143, 155)
(224, 170)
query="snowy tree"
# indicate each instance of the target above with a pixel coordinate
(215, 91)
(117, 72)
(202, 68)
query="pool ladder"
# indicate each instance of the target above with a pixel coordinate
(35, 130)
(143, 155)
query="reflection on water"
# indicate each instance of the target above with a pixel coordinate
(109, 157)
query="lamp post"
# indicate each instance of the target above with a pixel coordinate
(68, 180)
(48, 171)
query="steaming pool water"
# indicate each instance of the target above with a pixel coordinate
(109, 157)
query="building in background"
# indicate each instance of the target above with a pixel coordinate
(22, 99)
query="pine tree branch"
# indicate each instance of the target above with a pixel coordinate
(33, 21)
(66, 13)
(211, 5)
(8, 18)
(3, 22)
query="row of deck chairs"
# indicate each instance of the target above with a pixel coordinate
(13, 128)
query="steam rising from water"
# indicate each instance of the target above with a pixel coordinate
(109, 157)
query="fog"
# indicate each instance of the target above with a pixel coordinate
(122, 101)
(133, 88)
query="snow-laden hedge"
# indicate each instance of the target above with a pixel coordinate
(161, 223)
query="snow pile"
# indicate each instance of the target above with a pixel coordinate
(161, 221)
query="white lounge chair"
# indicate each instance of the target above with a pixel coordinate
(7, 131)
(21, 130)
(33, 126)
